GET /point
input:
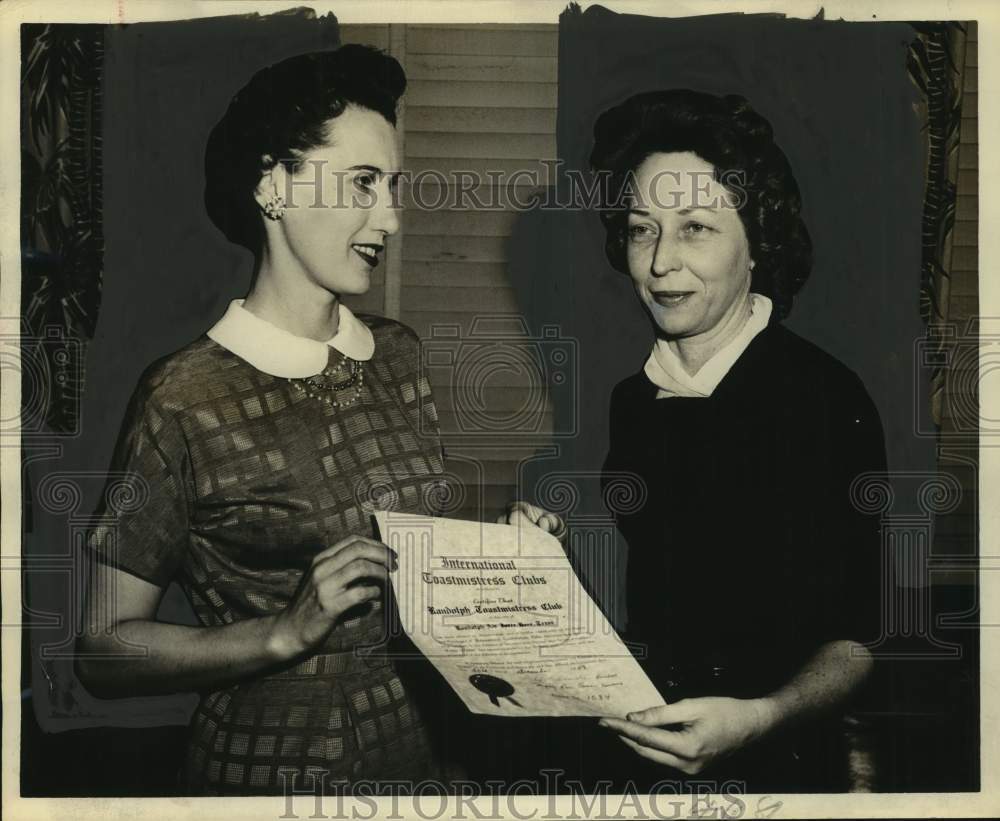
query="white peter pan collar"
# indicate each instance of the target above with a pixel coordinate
(278, 352)
(664, 369)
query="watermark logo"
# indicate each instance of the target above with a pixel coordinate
(502, 380)
(50, 367)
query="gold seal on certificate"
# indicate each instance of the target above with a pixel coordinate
(501, 614)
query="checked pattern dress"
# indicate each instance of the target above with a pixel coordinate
(247, 479)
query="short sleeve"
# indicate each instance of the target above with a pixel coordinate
(423, 408)
(418, 402)
(143, 520)
(399, 361)
(401, 352)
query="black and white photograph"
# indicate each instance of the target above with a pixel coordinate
(498, 410)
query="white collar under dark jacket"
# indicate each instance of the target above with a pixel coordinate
(278, 352)
(664, 369)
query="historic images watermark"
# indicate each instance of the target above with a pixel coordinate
(550, 796)
(546, 185)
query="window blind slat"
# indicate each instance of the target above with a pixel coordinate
(468, 223)
(966, 207)
(482, 146)
(481, 120)
(491, 299)
(519, 173)
(494, 95)
(481, 103)
(966, 232)
(441, 248)
(964, 258)
(481, 41)
(377, 36)
(453, 274)
(460, 68)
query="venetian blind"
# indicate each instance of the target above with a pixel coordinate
(478, 116)
(956, 531)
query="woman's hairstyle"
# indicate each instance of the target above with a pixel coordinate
(283, 112)
(739, 143)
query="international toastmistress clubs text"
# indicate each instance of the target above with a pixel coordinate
(491, 581)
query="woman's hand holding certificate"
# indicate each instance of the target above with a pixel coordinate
(522, 513)
(690, 734)
(352, 571)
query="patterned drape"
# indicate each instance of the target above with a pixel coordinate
(935, 61)
(62, 244)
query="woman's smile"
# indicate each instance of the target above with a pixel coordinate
(669, 299)
(368, 251)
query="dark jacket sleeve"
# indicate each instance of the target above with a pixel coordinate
(850, 579)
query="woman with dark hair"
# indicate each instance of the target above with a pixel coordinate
(257, 452)
(752, 579)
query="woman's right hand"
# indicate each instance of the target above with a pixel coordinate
(121, 616)
(352, 571)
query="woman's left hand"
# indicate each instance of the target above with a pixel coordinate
(691, 734)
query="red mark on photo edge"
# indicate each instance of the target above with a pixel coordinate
(121, 11)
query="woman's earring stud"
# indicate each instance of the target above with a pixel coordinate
(275, 207)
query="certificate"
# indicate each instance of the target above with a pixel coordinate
(501, 614)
